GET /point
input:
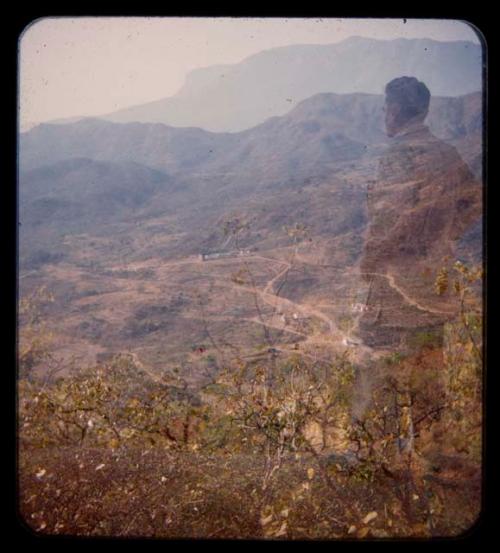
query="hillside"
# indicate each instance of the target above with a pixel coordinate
(116, 215)
(317, 123)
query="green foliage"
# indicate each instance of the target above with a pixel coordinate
(442, 282)
(426, 339)
(219, 434)
(394, 358)
(464, 363)
(365, 471)
(345, 323)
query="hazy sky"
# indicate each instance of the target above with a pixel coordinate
(92, 66)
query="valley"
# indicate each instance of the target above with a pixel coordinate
(123, 255)
(179, 299)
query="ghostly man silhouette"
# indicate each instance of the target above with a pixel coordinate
(423, 200)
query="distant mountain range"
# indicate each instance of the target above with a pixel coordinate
(231, 98)
(319, 131)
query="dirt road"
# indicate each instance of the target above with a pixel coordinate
(411, 301)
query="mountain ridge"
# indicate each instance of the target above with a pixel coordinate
(235, 97)
(296, 145)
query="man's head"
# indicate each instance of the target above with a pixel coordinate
(406, 101)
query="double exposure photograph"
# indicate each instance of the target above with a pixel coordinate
(250, 278)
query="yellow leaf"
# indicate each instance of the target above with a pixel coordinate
(370, 516)
(363, 532)
(266, 520)
(282, 530)
(310, 473)
(420, 529)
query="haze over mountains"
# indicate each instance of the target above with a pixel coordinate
(119, 211)
(334, 125)
(231, 98)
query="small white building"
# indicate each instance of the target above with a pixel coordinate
(219, 255)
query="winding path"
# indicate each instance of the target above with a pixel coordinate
(411, 301)
(269, 286)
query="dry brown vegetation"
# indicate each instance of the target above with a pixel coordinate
(283, 448)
